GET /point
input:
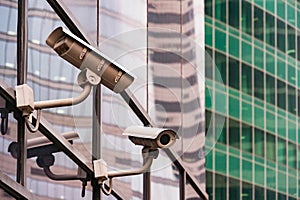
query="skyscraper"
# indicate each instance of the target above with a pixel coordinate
(252, 99)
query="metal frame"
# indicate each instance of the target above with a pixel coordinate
(60, 141)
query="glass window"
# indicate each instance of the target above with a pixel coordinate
(281, 151)
(220, 162)
(281, 35)
(281, 69)
(247, 170)
(208, 120)
(259, 142)
(208, 7)
(298, 42)
(281, 91)
(234, 46)
(220, 184)
(246, 17)
(291, 74)
(259, 84)
(234, 13)
(220, 10)
(291, 99)
(271, 151)
(209, 184)
(270, 89)
(281, 8)
(298, 102)
(234, 166)
(246, 79)
(234, 74)
(220, 37)
(259, 193)
(246, 138)
(271, 194)
(234, 133)
(220, 72)
(234, 189)
(259, 58)
(292, 155)
(291, 41)
(208, 63)
(247, 52)
(270, 29)
(258, 23)
(220, 129)
(247, 191)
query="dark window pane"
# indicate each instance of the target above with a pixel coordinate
(234, 15)
(246, 17)
(259, 84)
(220, 10)
(220, 70)
(209, 184)
(271, 147)
(298, 102)
(281, 93)
(291, 41)
(292, 99)
(281, 151)
(246, 138)
(247, 191)
(234, 74)
(208, 120)
(259, 193)
(258, 23)
(220, 128)
(281, 35)
(270, 29)
(281, 196)
(234, 134)
(220, 190)
(271, 194)
(259, 142)
(246, 79)
(270, 89)
(298, 45)
(234, 189)
(292, 155)
(208, 63)
(208, 7)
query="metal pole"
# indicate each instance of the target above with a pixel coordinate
(22, 42)
(182, 183)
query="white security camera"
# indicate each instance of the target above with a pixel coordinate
(84, 56)
(151, 137)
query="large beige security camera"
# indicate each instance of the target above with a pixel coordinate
(151, 137)
(84, 56)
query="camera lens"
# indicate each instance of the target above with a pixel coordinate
(165, 139)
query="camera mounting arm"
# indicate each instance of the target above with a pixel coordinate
(25, 97)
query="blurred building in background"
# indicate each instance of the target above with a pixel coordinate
(160, 42)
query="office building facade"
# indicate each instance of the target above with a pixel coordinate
(252, 99)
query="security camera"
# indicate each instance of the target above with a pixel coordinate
(151, 137)
(82, 55)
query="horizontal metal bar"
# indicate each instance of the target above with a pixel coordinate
(15, 189)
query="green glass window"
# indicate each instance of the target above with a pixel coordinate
(208, 35)
(281, 8)
(271, 194)
(220, 187)
(208, 7)
(220, 40)
(259, 84)
(247, 112)
(220, 128)
(271, 150)
(291, 74)
(209, 184)
(234, 46)
(259, 117)
(259, 193)
(291, 49)
(271, 178)
(270, 63)
(281, 91)
(220, 10)
(234, 13)
(234, 133)
(298, 102)
(281, 196)
(270, 29)
(270, 89)
(234, 107)
(220, 162)
(281, 126)
(292, 99)
(281, 35)
(259, 58)
(234, 189)
(258, 23)
(247, 191)
(281, 69)
(247, 52)
(246, 17)
(282, 182)
(298, 41)
(270, 6)
(291, 15)
(234, 166)
(220, 72)
(247, 170)
(259, 144)
(292, 155)
(246, 138)
(281, 151)
(246, 79)
(234, 73)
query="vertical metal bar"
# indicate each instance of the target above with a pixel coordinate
(96, 140)
(146, 185)
(182, 183)
(22, 42)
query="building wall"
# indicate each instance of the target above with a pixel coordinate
(252, 98)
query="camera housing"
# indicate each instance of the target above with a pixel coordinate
(150, 137)
(82, 55)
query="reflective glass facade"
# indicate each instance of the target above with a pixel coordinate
(254, 46)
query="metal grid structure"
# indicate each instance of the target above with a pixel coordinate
(17, 189)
